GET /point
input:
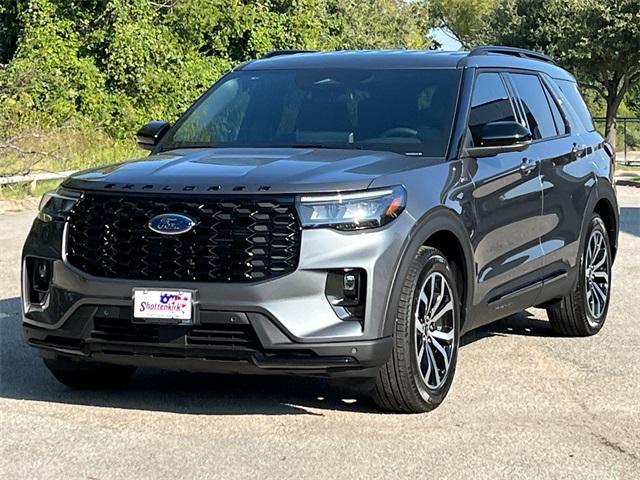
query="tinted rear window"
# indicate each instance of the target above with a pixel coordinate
(571, 92)
(405, 111)
(535, 105)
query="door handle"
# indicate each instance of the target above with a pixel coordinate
(578, 150)
(527, 166)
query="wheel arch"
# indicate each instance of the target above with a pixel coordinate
(607, 212)
(441, 229)
(602, 200)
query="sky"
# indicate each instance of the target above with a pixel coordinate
(446, 39)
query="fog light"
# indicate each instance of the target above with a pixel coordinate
(345, 288)
(350, 285)
(39, 275)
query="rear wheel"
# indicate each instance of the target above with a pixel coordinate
(89, 375)
(584, 311)
(420, 370)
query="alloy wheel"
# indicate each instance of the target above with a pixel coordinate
(597, 275)
(434, 330)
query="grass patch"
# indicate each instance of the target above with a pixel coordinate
(20, 191)
(620, 168)
(67, 149)
(59, 151)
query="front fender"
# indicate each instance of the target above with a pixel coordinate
(440, 219)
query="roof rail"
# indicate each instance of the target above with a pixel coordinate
(279, 53)
(518, 52)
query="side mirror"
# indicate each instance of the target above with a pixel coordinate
(149, 136)
(504, 134)
(497, 137)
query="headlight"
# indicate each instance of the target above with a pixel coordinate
(353, 210)
(56, 204)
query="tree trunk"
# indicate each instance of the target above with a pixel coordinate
(613, 102)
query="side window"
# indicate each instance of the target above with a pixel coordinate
(570, 90)
(489, 103)
(534, 102)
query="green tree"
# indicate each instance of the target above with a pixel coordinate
(597, 40)
(113, 64)
(465, 19)
(357, 24)
(633, 99)
(10, 28)
(58, 79)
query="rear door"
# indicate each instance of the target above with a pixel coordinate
(507, 203)
(563, 174)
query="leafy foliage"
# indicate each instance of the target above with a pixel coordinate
(633, 99)
(112, 65)
(464, 18)
(10, 28)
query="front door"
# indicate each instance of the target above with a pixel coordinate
(507, 202)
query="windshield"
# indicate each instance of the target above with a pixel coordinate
(404, 111)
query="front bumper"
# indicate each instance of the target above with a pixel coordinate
(224, 342)
(284, 324)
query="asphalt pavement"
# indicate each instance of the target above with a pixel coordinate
(525, 403)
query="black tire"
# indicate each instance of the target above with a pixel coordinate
(572, 315)
(89, 375)
(400, 384)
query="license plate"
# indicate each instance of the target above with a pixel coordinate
(167, 306)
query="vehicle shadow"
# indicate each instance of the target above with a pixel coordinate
(23, 376)
(630, 220)
(523, 323)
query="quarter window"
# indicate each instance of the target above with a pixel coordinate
(535, 105)
(490, 103)
(570, 90)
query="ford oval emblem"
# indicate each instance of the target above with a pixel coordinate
(171, 224)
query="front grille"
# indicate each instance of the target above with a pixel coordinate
(235, 338)
(235, 239)
(119, 330)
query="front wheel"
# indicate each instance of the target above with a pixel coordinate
(417, 376)
(584, 310)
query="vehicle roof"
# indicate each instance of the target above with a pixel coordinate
(381, 59)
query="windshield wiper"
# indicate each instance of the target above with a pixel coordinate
(177, 146)
(346, 146)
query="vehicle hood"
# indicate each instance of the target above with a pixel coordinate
(239, 170)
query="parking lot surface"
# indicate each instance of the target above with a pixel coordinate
(525, 403)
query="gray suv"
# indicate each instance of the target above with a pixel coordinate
(346, 214)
